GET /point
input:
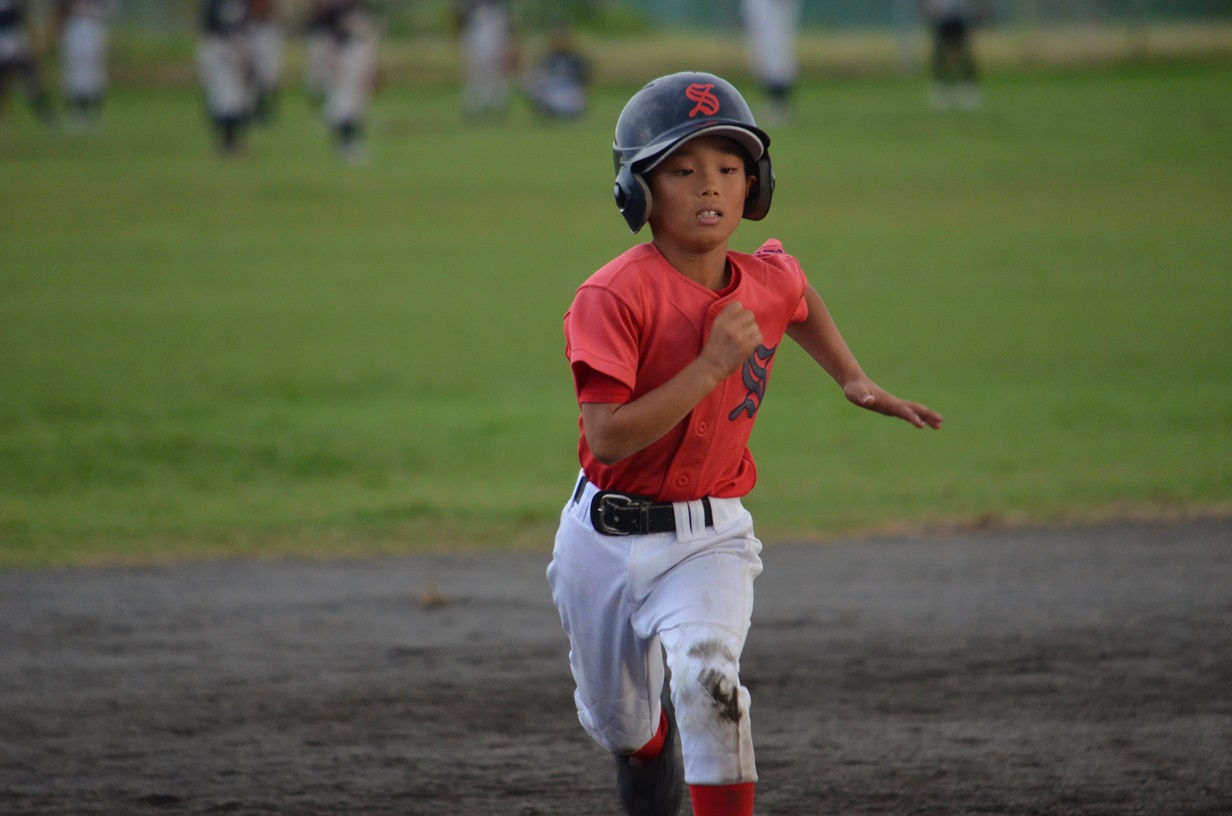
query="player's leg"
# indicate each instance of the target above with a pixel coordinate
(225, 90)
(619, 672)
(702, 608)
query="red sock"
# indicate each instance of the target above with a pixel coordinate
(651, 750)
(722, 800)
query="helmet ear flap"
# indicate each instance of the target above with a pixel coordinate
(632, 198)
(757, 203)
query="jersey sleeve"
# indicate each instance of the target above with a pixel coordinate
(796, 281)
(597, 387)
(601, 335)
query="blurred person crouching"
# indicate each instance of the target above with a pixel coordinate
(559, 84)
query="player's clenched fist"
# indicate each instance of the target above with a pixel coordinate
(733, 337)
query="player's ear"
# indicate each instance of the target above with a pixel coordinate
(757, 203)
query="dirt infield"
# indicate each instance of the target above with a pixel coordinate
(1058, 671)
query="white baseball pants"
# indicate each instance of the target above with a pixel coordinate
(624, 601)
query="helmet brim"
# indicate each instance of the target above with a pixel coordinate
(753, 141)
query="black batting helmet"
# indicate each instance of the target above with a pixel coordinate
(667, 113)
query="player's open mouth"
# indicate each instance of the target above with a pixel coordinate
(709, 216)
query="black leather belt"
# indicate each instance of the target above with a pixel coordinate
(621, 514)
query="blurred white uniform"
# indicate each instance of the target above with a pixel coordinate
(350, 85)
(487, 29)
(266, 43)
(224, 68)
(772, 26)
(83, 50)
(224, 60)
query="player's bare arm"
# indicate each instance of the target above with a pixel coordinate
(617, 430)
(819, 336)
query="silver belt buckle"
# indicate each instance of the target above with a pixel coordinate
(616, 502)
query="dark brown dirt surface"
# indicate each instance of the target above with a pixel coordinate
(1056, 671)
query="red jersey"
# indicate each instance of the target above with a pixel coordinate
(637, 322)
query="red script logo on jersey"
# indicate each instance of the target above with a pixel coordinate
(707, 103)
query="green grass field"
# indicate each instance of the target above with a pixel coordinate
(287, 356)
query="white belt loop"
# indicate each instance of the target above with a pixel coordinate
(690, 520)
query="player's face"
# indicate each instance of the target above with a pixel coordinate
(698, 194)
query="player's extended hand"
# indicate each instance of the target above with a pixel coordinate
(867, 394)
(734, 336)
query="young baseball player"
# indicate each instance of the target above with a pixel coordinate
(83, 26)
(489, 54)
(955, 78)
(225, 65)
(671, 347)
(355, 29)
(18, 60)
(772, 29)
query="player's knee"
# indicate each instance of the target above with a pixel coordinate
(708, 682)
(618, 731)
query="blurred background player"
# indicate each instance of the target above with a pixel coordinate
(955, 79)
(17, 60)
(266, 40)
(83, 26)
(559, 84)
(319, 55)
(772, 27)
(489, 55)
(224, 60)
(355, 38)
